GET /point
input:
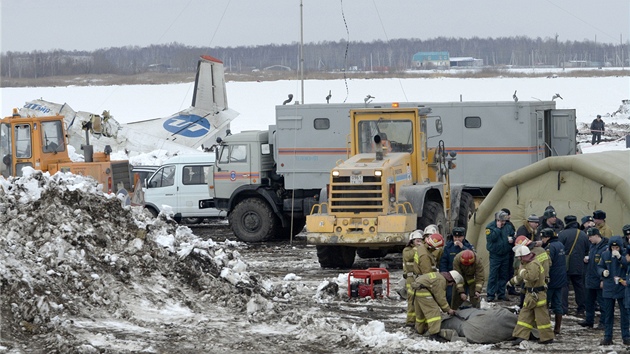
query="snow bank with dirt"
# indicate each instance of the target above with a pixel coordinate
(70, 252)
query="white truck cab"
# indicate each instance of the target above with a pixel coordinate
(181, 183)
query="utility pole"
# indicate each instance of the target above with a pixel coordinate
(302, 48)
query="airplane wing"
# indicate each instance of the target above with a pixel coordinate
(208, 117)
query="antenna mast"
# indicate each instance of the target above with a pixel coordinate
(302, 48)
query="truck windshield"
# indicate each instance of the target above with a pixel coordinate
(396, 135)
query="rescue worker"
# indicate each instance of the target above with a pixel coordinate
(557, 274)
(534, 313)
(510, 229)
(597, 129)
(626, 234)
(472, 270)
(498, 246)
(424, 259)
(592, 279)
(430, 300)
(428, 231)
(599, 217)
(550, 220)
(541, 256)
(613, 267)
(452, 248)
(529, 229)
(457, 244)
(576, 247)
(408, 254)
(587, 223)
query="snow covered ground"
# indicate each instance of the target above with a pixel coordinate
(256, 101)
(80, 273)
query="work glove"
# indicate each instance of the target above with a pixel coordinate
(616, 254)
(606, 273)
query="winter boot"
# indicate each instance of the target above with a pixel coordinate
(556, 329)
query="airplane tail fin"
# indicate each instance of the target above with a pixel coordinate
(210, 92)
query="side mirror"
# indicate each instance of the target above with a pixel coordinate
(438, 125)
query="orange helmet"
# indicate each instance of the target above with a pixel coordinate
(435, 240)
(468, 257)
(522, 240)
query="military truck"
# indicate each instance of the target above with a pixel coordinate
(280, 172)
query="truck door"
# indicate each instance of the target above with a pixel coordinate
(232, 169)
(563, 132)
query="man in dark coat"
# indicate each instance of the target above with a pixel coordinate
(510, 229)
(576, 247)
(457, 244)
(557, 274)
(498, 246)
(529, 228)
(597, 128)
(613, 267)
(592, 278)
(550, 220)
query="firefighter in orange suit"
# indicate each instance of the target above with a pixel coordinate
(472, 270)
(430, 301)
(534, 312)
(409, 254)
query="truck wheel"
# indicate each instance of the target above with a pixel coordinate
(253, 221)
(433, 213)
(153, 212)
(298, 225)
(466, 209)
(364, 252)
(336, 256)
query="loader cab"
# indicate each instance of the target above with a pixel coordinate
(29, 142)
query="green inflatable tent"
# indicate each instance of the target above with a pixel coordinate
(573, 185)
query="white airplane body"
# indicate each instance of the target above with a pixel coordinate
(208, 117)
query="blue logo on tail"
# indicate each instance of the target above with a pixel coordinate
(189, 125)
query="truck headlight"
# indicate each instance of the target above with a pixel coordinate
(378, 173)
(335, 173)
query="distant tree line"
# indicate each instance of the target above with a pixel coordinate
(394, 55)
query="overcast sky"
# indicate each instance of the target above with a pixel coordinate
(89, 24)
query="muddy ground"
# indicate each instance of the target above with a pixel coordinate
(277, 259)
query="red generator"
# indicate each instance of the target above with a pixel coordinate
(372, 282)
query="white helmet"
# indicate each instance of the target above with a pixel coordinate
(457, 277)
(416, 234)
(431, 229)
(521, 250)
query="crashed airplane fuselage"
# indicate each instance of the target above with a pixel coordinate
(208, 117)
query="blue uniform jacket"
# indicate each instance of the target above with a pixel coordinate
(558, 269)
(450, 251)
(592, 277)
(616, 267)
(497, 240)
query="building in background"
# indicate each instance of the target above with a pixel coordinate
(431, 60)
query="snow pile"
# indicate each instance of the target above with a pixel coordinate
(70, 253)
